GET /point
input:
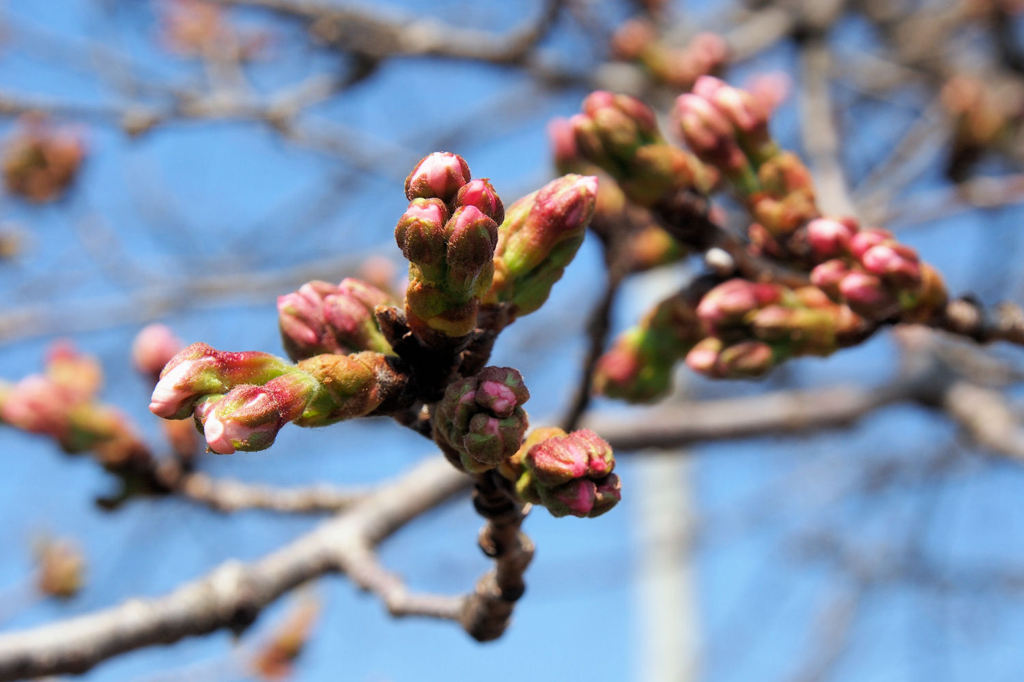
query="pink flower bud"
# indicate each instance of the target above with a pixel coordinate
(471, 237)
(729, 302)
(37, 405)
(828, 275)
(200, 370)
(420, 232)
(154, 346)
(707, 131)
(75, 372)
(558, 212)
(563, 145)
(438, 175)
(248, 417)
(894, 262)
(866, 295)
(865, 239)
(829, 237)
(745, 359)
(745, 112)
(703, 357)
(481, 194)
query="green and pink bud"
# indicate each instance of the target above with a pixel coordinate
(829, 275)
(893, 262)
(471, 238)
(482, 195)
(327, 318)
(420, 235)
(248, 417)
(744, 112)
(569, 473)
(480, 421)
(153, 348)
(75, 372)
(539, 238)
(867, 295)
(729, 303)
(830, 237)
(200, 370)
(438, 175)
(707, 131)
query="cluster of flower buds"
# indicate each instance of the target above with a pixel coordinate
(61, 404)
(328, 318)
(274, 658)
(480, 421)
(728, 129)
(620, 134)
(241, 400)
(40, 161)
(448, 234)
(871, 272)
(60, 568)
(753, 326)
(619, 223)
(569, 473)
(638, 368)
(538, 239)
(637, 41)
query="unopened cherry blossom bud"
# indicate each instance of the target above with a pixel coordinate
(867, 238)
(248, 417)
(867, 295)
(420, 235)
(349, 314)
(828, 276)
(75, 372)
(438, 175)
(471, 237)
(570, 474)
(153, 348)
(703, 357)
(745, 359)
(540, 236)
(745, 113)
(481, 194)
(894, 263)
(708, 132)
(199, 369)
(60, 568)
(480, 421)
(729, 302)
(830, 237)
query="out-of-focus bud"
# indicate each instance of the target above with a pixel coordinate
(153, 348)
(37, 405)
(632, 38)
(745, 359)
(480, 421)
(438, 175)
(538, 239)
(708, 132)
(868, 238)
(867, 295)
(638, 368)
(770, 89)
(830, 237)
(747, 115)
(60, 568)
(828, 276)
(563, 145)
(729, 302)
(481, 194)
(570, 474)
(75, 372)
(895, 263)
(703, 357)
(199, 369)
(40, 161)
(275, 657)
